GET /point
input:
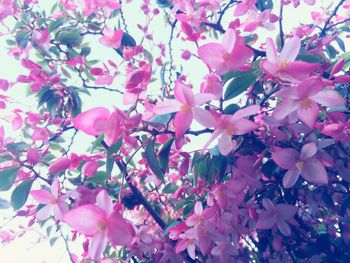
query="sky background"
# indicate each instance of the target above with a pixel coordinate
(26, 248)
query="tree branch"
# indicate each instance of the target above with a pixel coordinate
(325, 27)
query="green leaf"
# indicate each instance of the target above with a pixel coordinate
(332, 52)
(340, 43)
(164, 154)
(170, 188)
(152, 160)
(99, 178)
(55, 24)
(8, 177)
(22, 38)
(16, 146)
(188, 209)
(20, 194)
(53, 241)
(110, 160)
(231, 109)
(160, 120)
(97, 142)
(70, 38)
(239, 85)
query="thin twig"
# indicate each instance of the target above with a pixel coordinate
(325, 27)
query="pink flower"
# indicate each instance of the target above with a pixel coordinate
(231, 55)
(188, 242)
(90, 167)
(60, 165)
(4, 84)
(227, 125)
(33, 156)
(283, 65)
(244, 6)
(303, 163)
(276, 215)
(212, 84)
(259, 20)
(112, 38)
(100, 222)
(200, 216)
(304, 99)
(53, 201)
(184, 104)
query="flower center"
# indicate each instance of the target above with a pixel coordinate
(299, 165)
(186, 108)
(306, 104)
(283, 64)
(231, 130)
(101, 225)
(226, 56)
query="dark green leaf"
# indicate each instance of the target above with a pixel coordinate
(20, 194)
(85, 51)
(340, 43)
(16, 146)
(99, 178)
(170, 188)
(70, 38)
(152, 160)
(232, 108)
(239, 85)
(110, 160)
(8, 177)
(332, 52)
(22, 38)
(160, 120)
(188, 209)
(164, 154)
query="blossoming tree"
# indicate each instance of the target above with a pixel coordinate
(228, 139)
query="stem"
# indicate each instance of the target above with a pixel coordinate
(325, 27)
(281, 25)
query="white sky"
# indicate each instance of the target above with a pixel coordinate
(26, 249)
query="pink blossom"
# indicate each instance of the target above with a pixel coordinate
(184, 104)
(102, 223)
(231, 55)
(244, 6)
(200, 216)
(33, 156)
(112, 38)
(303, 163)
(60, 165)
(89, 168)
(187, 242)
(53, 201)
(283, 65)
(4, 84)
(212, 84)
(276, 215)
(259, 20)
(304, 100)
(227, 125)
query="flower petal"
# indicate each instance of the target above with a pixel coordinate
(169, 106)
(98, 245)
(42, 196)
(271, 51)
(183, 120)
(85, 219)
(284, 109)
(85, 120)
(225, 144)
(314, 172)
(119, 230)
(291, 49)
(204, 117)
(328, 98)
(309, 115)
(290, 178)
(104, 201)
(285, 157)
(245, 112)
(44, 213)
(284, 227)
(308, 151)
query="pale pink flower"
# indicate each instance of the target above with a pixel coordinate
(303, 163)
(200, 216)
(212, 84)
(278, 215)
(112, 38)
(283, 65)
(184, 104)
(102, 223)
(244, 6)
(53, 200)
(231, 55)
(304, 99)
(227, 125)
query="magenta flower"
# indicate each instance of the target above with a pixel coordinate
(227, 125)
(276, 215)
(304, 99)
(184, 104)
(303, 163)
(53, 201)
(283, 65)
(100, 222)
(231, 55)
(200, 216)
(112, 38)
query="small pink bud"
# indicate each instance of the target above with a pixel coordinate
(89, 169)
(186, 55)
(60, 165)
(33, 156)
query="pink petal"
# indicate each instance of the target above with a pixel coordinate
(42, 196)
(229, 40)
(4, 84)
(244, 126)
(181, 246)
(328, 98)
(113, 132)
(98, 245)
(283, 227)
(33, 156)
(182, 123)
(309, 115)
(202, 98)
(55, 187)
(309, 87)
(44, 213)
(183, 94)
(225, 144)
(191, 250)
(267, 204)
(119, 231)
(198, 208)
(291, 49)
(213, 136)
(298, 70)
(308, 151)
(290, 178)
(266, 220)
(285, 158)
(314, 172)
(85, 121)
(212, 54)
(59, 210)
(60, 165)
(204, 117)
(90, 168)
(271, 51)
(169, 106)
(85, 219)
(245, 112)
(284, 109)
(286, 212)
(104, 201)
